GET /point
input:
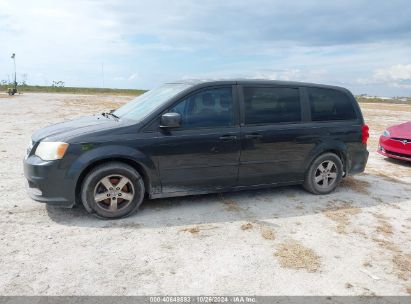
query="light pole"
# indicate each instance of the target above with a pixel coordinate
(13, 90)
(13, 56)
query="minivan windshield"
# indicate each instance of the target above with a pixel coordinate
(145, 104)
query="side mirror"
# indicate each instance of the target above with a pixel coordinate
(170, 120)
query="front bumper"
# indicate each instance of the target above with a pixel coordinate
(389, 147)
(47, 182)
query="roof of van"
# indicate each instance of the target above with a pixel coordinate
(195, 82)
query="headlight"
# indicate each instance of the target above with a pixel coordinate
(386, 133)
(51, 150)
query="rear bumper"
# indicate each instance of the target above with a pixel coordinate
(46, 182)
(357, 160)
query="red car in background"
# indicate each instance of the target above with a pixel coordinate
(395, 142)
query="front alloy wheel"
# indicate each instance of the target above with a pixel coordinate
(112, 190)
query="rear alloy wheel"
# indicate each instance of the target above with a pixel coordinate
(112, 190)
(324, 174)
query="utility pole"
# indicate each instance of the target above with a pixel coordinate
(102, 73)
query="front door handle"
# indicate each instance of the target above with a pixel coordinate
(253, 136)
(228, 137)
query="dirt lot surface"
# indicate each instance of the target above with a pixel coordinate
(284, 241)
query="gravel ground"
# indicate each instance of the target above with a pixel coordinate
(284, 241)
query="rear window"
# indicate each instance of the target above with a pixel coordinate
(271, 105)
(327, 104)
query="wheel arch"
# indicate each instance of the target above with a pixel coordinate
(131, 162)
(340, 150)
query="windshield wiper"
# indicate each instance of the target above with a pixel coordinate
(112, 114)
(106, 114)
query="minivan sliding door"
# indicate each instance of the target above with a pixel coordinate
(270, 130)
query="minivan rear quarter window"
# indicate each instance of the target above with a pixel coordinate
(328, 104)
(265, 105)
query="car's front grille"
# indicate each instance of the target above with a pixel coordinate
(404, 141)
(398, 154)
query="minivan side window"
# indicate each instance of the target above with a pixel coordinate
(208, 108)
(265, 105)
(328, 104)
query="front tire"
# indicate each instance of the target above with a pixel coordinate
(324, 174)
(112, 190)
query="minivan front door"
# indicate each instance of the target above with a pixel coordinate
(203, 153)
(271, 151)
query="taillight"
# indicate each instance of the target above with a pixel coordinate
(365, 134)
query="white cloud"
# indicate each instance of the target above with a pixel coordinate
(398, 76)
(394, 73)
(132, 76)
(286, 74)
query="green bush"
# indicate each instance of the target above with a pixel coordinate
(73, 90)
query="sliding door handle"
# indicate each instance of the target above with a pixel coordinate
(228, 137)
(253, 136)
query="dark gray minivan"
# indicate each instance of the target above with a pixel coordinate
(195, 137)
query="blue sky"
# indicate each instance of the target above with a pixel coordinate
(362, 45)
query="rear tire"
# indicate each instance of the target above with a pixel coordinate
(324, 174)
(112, 190)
